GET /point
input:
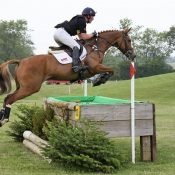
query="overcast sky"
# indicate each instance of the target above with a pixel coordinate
(43, 15)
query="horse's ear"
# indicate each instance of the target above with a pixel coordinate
(127, 30)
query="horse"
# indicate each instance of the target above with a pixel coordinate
(31, 72)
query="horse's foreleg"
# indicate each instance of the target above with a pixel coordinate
(104, 73)
(101, 78)
(100, 68)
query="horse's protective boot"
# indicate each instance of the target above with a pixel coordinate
(101, 79)
(76, 63)
(4, 115)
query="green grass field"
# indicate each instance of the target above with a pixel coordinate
(16, 159)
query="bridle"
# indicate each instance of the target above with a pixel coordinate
(127, 52)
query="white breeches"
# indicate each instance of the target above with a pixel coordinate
(62, 37)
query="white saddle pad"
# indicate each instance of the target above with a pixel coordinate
(63, 57)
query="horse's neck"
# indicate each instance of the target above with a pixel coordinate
(103, 42)
(108, 39)
(111, 36)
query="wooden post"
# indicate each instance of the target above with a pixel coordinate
(148, 143)
(153, 137)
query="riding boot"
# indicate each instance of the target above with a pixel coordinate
(76, 63)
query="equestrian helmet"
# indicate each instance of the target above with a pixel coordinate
(88, 12)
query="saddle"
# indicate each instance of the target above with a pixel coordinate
(60, 55)
(67, 49)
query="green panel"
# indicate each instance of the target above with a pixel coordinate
(88, 100)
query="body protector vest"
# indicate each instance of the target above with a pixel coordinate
(75, 26)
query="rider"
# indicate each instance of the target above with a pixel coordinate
(76, 26)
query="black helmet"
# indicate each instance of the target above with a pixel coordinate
(88, 11)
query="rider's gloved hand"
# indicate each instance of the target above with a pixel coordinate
(95, 34)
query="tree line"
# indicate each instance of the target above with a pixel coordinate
(152, 48)
(15, 40)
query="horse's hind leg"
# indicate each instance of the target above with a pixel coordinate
(19, 94)
(5, 112)
(11, 98)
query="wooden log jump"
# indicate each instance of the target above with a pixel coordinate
(34, 143)
(116, 119)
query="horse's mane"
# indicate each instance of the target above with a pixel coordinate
(101, 32)
(104, 31)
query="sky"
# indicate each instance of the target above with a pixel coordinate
(43, 15)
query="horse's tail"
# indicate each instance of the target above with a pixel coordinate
(5, 76)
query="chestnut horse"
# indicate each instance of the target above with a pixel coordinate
(31, 72)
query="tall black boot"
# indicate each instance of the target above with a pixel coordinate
(75, 59)
(76, 63)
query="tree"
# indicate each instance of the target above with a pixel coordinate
(125, 23)
(153, 45)
(15, 42)
(148, 43)
(170, 36)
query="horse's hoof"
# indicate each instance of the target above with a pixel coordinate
(96, 83)
(2, 122)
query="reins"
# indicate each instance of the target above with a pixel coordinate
(95, 46)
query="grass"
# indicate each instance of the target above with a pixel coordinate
(16, 159)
